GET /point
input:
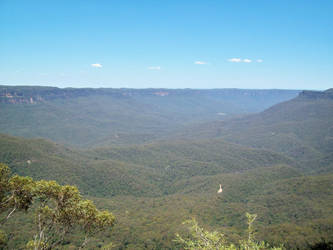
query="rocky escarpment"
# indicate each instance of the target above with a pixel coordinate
(37, 94)
(33, 95)
(14, 98)
(328, 94)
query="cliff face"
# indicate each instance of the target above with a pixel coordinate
(328, 94)
(13, 98)
(33, 95)
(36, 94)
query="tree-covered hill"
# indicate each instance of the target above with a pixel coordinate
(300, 128)
(43, 159)
(144, 170)
(151, 201)
(179, 160)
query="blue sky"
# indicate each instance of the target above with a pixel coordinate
(170, 44)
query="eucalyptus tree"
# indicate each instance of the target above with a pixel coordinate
(59, 210)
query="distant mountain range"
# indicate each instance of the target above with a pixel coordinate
(90, 117)
(37, 94)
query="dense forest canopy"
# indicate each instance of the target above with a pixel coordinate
(156, 158)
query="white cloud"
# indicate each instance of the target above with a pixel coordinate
(154, 67)
(96, 65)
(200, 62)
(246, 60)
(236, 60)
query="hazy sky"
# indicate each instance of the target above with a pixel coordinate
(167, 43)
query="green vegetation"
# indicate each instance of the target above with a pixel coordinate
(201, 239)
(277, 163)
(59, 210)
(300, 128)
(148, 170)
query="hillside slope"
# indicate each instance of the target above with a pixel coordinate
(147, 170)
(43, 159)
(301, 128)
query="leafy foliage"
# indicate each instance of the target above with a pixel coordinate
(59, 209)
(201, 239)
(3, 239)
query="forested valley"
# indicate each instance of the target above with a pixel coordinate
(155, 158)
